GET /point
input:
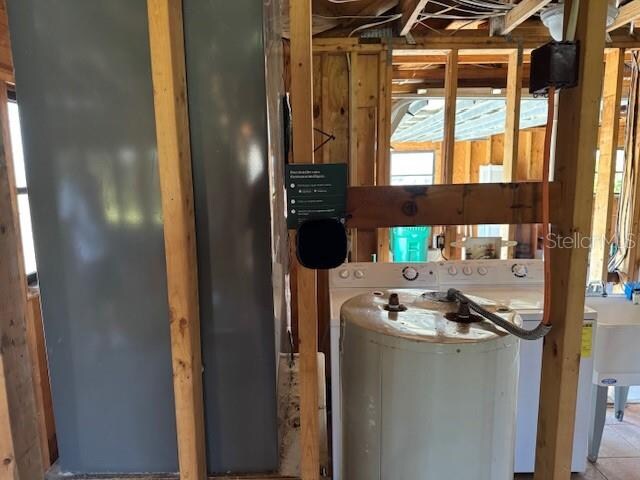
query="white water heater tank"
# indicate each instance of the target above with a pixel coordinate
(426, 397)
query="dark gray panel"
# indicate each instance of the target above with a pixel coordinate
(227, 110)
(85, 95)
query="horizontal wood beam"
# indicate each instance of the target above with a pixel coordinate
(521, 12)
(463, 83)
(408, 90)
(464, 72)
(458, 204)
(411, 10)
(626, 14)
(466, 41)
(462, 59)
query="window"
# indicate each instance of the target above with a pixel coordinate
(412, 168)
(618, 176)
(23, 194)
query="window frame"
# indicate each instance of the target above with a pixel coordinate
(32, 277)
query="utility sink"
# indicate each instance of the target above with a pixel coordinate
(616, 360)
(616, 341)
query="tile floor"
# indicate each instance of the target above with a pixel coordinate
(620, 451)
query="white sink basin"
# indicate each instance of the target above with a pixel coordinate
(616, 343)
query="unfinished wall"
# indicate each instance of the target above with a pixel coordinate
(85, 95)
(352, 104)
(224, 44)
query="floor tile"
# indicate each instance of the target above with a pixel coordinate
(632, 415)
(591, 473)
(619, 468)
(631, 433)
(614, 445)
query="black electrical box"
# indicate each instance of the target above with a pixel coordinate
(554, 64)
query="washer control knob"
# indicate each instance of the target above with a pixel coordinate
(483, 270)
(410, 273)
(467, 270)
(344, 273)
(358, 274)
(452, 270)
(519, 270)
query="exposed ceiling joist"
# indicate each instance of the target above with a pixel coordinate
(464, 72)
(465, 24)
(411, 10)
(462, 59)
(626, 14)
(521, 12)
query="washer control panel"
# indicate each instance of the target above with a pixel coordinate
(385, 275)
(491, 272)
(438, 275)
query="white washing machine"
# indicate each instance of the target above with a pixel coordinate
(518, 284)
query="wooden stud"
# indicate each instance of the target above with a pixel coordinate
(20, 455)
(449, 139)
(459, 204)
(383, 163)
(521, 12)
(627, 13)
(512, 129)
(608, 140)
(302, 114)
(6, 58)
(174, 164)
(353, 135)
(40, 375)
(512, 121)
(450, 100)
(366, 116)
(411, 10)
(579, 110)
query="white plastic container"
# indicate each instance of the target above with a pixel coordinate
(425, 397)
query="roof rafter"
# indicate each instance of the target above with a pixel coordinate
(521, 12)
(626, 13)
(411, 10)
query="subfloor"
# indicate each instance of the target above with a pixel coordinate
(620, 450)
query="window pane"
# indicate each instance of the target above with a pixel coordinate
(412, 163)
(491, 173)
(16, 145)
(620, 160)
(617, 185)
(26, 233)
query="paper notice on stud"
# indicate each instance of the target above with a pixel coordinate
(316, 191)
